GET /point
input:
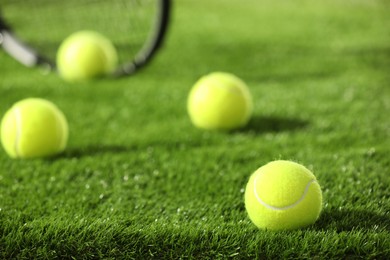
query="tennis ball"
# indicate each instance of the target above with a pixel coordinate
(219, 101)
(283, 195)
(85, 55)
(33, 128)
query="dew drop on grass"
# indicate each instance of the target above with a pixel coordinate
(104, 183)
(371, 152)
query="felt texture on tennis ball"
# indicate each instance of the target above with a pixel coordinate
(283, 195)
(85, 55)
(219, 101)
(34, 128)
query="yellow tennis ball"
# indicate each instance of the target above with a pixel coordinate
(85, 55)
(283, 195)
(33, 128)
(219, 101)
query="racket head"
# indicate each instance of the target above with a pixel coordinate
(137, 28)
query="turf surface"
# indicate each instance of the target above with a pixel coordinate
(139, 181)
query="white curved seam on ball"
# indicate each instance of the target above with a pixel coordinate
(18, 119)
(285, 207)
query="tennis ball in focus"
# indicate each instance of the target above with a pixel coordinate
(283, 195)
(85, 55)
(33, 128)
(219, 101)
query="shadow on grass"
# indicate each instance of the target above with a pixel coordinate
(258, 125)
(378, 57)
(93, 150)
(111, 149)
(347, 220)
(262, 124)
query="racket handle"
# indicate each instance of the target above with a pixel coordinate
(21, 52)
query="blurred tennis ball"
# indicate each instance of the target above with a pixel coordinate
(220, 101)
(34, 128)
(283, 195)
(85, 55)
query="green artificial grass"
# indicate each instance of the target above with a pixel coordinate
(139, 181)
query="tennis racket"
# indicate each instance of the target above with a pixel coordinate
(32, 30)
